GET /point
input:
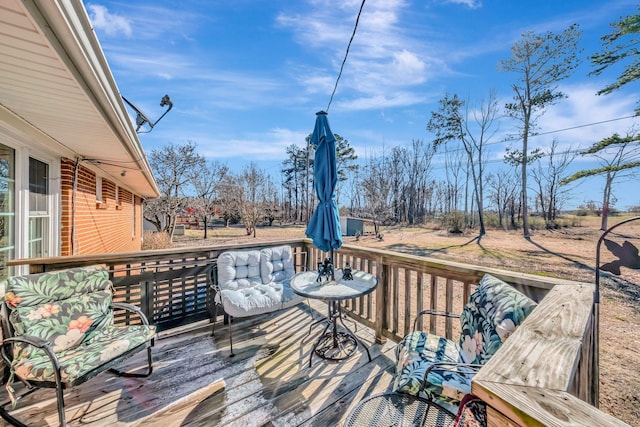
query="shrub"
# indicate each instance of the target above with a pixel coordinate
(454, 222)
(156, 240)
(537, 223)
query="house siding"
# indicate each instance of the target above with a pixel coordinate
(101, 227)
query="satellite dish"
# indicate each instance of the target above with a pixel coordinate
(141, 118)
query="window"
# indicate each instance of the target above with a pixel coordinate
(39, 217)
(99, 189)
(133, 215)
(7, 208)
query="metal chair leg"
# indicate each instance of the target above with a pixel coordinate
(231, 336)
(134, 375)
(215, 317)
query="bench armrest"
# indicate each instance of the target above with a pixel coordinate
(132, 308)
(433, 313)
(29, 339)
(38, 342)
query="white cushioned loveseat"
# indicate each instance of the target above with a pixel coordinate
(254, 282)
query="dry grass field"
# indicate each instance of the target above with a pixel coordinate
(568, 253)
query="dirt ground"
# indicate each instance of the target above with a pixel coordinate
(568, 253)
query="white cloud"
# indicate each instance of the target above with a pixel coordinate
(111, 24)
(472, 4)
(270, 145)
(587, 117)
(384, 64)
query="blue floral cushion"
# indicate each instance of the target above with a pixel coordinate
(494, 311)
(415, 353)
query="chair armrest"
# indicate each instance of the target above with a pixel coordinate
(452, 366)
(433, 313)
(132, 308)
(212, 278)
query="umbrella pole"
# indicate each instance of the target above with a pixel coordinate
(333, 264)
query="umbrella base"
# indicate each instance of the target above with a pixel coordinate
(333, 344)
(338, 347)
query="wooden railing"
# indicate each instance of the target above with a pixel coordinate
(545, 374)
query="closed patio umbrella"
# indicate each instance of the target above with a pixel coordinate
(324, 225)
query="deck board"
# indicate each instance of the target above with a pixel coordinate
(196, 383)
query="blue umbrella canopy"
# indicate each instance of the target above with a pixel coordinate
(324, 225)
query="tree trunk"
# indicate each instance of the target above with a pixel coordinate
(605, 202)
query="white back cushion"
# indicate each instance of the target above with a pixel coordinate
(239, 269)
(276, 264)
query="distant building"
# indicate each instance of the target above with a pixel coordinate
(353, 226)
(73, 173)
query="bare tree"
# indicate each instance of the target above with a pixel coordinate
(550, 195)
(376, 190)
(455, 162)
(503, 187)
(418, 169)
(540, 61)
(270, 200)
(206, 178)
(252, 182)
(229, 198)
(473, 129)
(171, 166)
(619, 156)
(395, 169)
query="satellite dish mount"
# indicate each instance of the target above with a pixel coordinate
(141, 118)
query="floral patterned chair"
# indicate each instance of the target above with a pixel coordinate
(437, 368)
(59, 332)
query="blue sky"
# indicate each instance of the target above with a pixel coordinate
(247, 76)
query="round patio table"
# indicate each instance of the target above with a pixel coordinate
(333, 344)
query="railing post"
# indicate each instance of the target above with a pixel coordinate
(381, 322)
(146, 298)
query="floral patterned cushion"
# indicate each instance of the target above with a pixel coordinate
(494, 311)
(71, 310)
(415, 353)
(64, 315)
(101, 347)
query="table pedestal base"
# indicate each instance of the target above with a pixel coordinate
(334, 345)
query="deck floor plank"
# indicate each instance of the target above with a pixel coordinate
(196, 383)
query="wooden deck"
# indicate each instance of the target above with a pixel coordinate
(196, 383)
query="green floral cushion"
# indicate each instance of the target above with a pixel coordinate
(494, 311)
(101, 347)
(71, 310)
(63, 315)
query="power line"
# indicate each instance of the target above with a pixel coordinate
(571, 128)
(346, 54)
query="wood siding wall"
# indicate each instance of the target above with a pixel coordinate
(105, 227)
